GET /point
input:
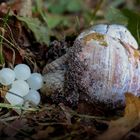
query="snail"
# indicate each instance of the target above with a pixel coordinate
(101, 67)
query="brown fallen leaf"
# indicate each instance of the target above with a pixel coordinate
(12, 55)
(119, 128)
(15, 127)
(43, 134)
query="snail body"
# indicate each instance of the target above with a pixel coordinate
(102, 66)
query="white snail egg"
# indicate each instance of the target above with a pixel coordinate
(22, 85)
(35, 81)
(22, 71)
(13, 97)
(7, 76)
(33, 96)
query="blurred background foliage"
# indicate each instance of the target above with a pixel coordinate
(65, 17)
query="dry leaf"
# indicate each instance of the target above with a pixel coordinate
(43, 134)
(15, 127)
(12, 55)
(118, 128)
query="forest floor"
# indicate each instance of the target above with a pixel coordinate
(39, 33)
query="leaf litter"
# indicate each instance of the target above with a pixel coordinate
(24, 43)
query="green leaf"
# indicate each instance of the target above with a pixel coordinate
(116, 3)
(75, 6)
(57, 6)
(53, 21)
(133, 23)
(58, 20)
(39, 30)
(40, 10)
(116, 16)
(62, 6)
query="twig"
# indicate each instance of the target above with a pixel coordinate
(4, 105)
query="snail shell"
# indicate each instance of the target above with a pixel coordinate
(102, 66)
(116, 31)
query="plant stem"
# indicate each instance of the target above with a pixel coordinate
(96, 10)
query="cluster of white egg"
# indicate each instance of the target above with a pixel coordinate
(23, 84)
